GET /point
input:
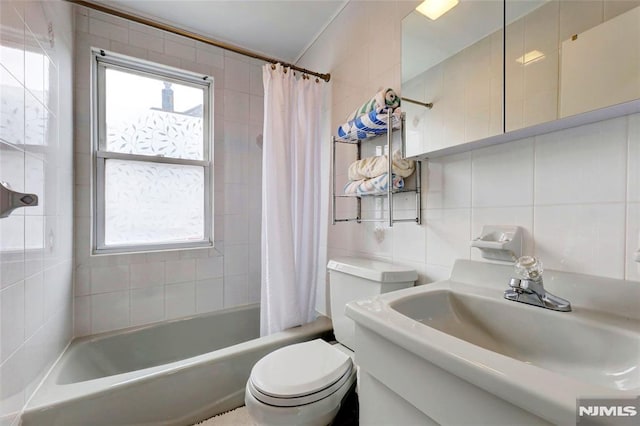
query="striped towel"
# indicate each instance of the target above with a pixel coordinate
(377, 185)
(367, 125)
(383, 100)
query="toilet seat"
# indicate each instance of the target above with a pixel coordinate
(300, 374)
(302, 399)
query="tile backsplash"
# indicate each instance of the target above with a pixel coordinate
(36, 146)
(119, 291)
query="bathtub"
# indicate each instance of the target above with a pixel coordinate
(174, 373)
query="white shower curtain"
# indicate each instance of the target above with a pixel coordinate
(291, 198)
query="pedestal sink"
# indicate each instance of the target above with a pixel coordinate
(457, 352)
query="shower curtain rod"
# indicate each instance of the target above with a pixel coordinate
(194, 36)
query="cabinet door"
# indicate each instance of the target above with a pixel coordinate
(565, 57)
(456, 63)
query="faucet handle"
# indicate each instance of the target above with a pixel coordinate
(529, 268)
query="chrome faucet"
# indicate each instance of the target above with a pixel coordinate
(529, 289)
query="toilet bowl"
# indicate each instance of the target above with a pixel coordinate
(301, 384)
(307, 383)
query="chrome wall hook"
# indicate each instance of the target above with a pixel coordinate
(11, 200)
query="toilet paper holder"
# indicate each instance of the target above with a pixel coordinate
(500, 242)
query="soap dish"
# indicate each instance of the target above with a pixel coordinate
(500, 242)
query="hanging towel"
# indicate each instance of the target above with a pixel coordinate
(371, 124)
(377, 185)
(381, 101)
(375, 166)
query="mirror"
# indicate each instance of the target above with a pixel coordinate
(566, 57)
(455, 63)
(566, 62)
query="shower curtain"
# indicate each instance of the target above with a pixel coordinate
(291, 198)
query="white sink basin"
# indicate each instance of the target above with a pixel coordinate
(561, 342)
(538, 360)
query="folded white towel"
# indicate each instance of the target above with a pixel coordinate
(377, 185)
(371, 167)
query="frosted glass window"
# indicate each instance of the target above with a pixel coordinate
(153, 203)
(152, 156)
(164, 118)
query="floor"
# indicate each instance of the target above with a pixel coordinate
(239, 416)
(347, 416)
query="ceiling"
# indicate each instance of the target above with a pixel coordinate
(282, 29)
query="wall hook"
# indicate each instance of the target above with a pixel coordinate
(11, 200)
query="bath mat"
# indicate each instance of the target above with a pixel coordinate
(236, 417)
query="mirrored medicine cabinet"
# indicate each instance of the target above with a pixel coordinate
(560, 63)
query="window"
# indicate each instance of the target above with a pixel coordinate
(152, 156)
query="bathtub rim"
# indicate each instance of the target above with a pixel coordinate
(51, 393)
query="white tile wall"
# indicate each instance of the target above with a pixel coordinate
(503, 178)
(633, 178)
(110, 311)
(180, 300)
(585, 164)
(36, 153)
(179, 271)
(448, 235)
(448, 182)
(632, 268)
(147, 305)
(575, 192)
(209, 294)
(587, 238)
(235, 290)
(118, 291)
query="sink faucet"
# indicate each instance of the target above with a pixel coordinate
(529, 289)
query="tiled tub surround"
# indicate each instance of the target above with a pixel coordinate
(36, 146)
(575, 192)
(119, 291)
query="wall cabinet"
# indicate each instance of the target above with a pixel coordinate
(502, 70)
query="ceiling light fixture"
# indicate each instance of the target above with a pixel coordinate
(530, 57)
(433, 9)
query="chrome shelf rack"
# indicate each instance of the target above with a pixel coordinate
(394, 123)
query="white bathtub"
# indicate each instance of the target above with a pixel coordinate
(175, 373)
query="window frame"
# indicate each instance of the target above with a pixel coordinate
(101, 61)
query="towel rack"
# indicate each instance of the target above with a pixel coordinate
(424, 104)
(394, 122)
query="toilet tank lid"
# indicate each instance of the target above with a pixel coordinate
(374, 270)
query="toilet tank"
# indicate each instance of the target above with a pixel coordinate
(352, 278)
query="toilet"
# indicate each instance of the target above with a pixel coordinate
(306, 383)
